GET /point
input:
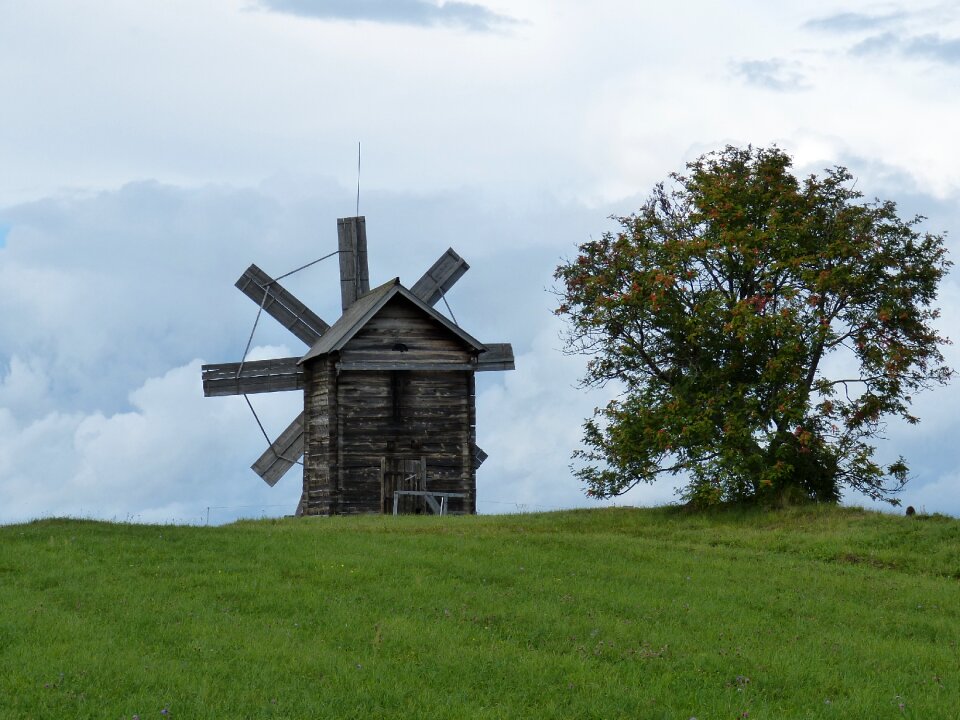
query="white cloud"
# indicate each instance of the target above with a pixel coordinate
(171, 456)
(510, 146)
(25, 388)
(236, 96)
(530, 421)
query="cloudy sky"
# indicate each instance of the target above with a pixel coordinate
(150, 151)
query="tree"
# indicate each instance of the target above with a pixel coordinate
(763, 328)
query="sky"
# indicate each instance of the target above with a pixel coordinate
(150, 151)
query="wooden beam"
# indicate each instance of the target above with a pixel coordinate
(255, 376)
(499, 356)
(282, 455)
(441, 276)
(410, 365)
(281, 305)
(432, 503)
(354, 274)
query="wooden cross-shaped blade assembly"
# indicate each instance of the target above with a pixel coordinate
(287, 449)
(285, 373)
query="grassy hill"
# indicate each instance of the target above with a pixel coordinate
(805, 613)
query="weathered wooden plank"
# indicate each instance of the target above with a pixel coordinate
(499, 356)
(409, 352)
(354, 275)
(413, 430)
(468, 473)
(255, 376)
(398, 434)
(419, 378)
(413, 426)
(408, 365)
(394, 311)
(434, 405)
(478, 456)
(446, 451)
(443, 453)
(396, 350)
(455, 411)
(413, 396)
(281, 305)
(282, 454)
(339, 447)
(320, 460)
(380, 332)
(441, 276)
(251, 368)
(449, 466)
(410, 357)
(420, 333)
(404, 343)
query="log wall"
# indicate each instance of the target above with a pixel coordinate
(359, 422)
(320, 459)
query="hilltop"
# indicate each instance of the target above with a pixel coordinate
(656, 613)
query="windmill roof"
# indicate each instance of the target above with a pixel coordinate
(365, 307)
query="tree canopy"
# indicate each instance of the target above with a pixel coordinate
(763, 327)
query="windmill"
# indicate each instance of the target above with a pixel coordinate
(389, 401)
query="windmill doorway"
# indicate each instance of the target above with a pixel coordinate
(405, 474)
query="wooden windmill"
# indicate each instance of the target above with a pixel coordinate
(389, 418)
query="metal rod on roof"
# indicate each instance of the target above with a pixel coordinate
(452, 316)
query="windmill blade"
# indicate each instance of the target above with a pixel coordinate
(352, 244)
(282, 454)
(252, 376)
(478, 456)
(281, 305)
(499, 356)
(440, 277)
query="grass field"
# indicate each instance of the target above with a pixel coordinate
(616, 613)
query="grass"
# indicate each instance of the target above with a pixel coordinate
(617, 613)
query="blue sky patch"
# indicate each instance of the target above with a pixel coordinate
(4, 229)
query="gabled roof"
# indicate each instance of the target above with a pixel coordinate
(366, 306)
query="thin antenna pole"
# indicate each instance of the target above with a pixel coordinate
(358, 178)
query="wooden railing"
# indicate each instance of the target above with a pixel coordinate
(430, 496)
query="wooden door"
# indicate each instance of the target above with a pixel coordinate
(402, 473)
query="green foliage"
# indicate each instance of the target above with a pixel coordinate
(619, 613)
(717, 306)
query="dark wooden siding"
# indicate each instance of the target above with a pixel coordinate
(360, 421)
(320, 467)
(387, 416)
(416, 337)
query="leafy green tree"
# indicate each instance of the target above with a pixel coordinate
(763, 328)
